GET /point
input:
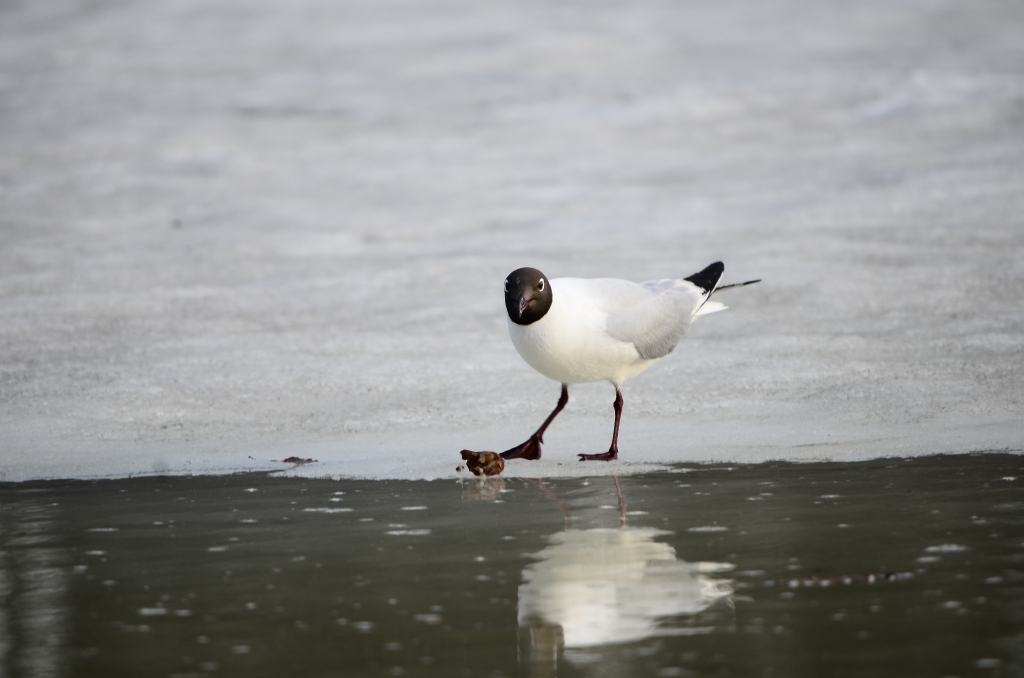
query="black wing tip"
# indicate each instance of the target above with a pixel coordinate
(708, 278)
(726, 287)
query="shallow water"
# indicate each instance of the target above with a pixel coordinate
(887, 568)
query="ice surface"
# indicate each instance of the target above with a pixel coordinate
(234, 232)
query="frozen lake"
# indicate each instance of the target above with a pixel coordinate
(231, 232)
(884, 568)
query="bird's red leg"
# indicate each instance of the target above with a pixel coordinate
(531, 448)
(613, 451)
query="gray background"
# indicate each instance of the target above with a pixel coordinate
(234, 231)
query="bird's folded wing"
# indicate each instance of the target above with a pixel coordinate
(654, 315)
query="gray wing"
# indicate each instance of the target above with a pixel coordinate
(654, 315)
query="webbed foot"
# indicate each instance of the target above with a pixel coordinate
(528, 450)
(606, 456)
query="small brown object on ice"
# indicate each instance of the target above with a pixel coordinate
(484, 463)
(297, 460)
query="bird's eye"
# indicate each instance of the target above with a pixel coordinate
(506, 284)
(540, 285)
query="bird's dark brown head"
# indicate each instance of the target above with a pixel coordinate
(527, 295)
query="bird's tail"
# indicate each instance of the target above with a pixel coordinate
(708, 280)
(709, 307)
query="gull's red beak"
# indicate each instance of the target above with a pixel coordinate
(523, 303)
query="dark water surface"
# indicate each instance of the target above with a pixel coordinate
(886, 568)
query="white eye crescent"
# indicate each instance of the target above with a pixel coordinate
(506, 284)
(540, 285)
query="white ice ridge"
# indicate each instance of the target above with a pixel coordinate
(646, 446)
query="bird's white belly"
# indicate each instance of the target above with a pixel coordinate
(573, 348)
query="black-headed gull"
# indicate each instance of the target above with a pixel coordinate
(576, 330)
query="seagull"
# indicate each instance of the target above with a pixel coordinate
(576, 330)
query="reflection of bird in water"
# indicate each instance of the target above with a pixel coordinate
(603, 586)
(614, 586)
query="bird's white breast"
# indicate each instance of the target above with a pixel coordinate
(570, 343)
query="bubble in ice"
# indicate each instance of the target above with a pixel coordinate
(428, 618)
(152, 611)
(326, 509)
(414, 508)
(945, 548)
(708, 528)
(987, 663)
(364, 626)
